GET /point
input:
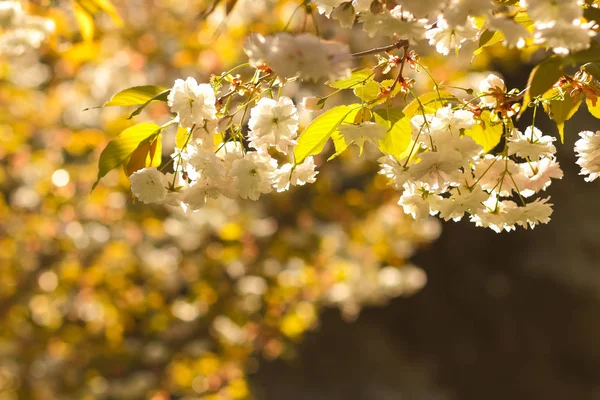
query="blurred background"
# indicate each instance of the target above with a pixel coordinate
(325, 292)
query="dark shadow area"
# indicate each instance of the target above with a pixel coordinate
(503, 316)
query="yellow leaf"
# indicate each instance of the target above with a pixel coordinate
(85, 21)
(593, 109)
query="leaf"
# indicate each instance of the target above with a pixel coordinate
(593, 69)
(488, 38)
(561, 110)
(109, 8)
(339, 142)
(85, 21)
(137, 160)
(398, 136)
(137, 95)
(386, 85)
(485, 132)
(181, 137)
(523, 19)
(541, 79)
(123, 146)
(154, 158)
(593, 109)
(162, 96)
(431, 102)
(368, 92)
(357, 77)
(313, 138)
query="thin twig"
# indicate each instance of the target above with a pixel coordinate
(402, 43)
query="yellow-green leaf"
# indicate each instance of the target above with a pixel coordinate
(431, 102)
(542, 78)
(181, 137)
(561, 110)
(339, 142)
(123, 146)
(109, 8)
(485, 132)
(313, 138)
(398, 135)
(154, 158)
(369, 91)
(488, 38)
(593, 109)
(138, 95)
(85, 21)
(358, 77)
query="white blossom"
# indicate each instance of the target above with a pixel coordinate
(273, 124)
(565, 37)
(463, 200)
(297, 176)
(302, 55)
(447, 38)
(253, 175)
(192, 102)
(539, 175)
(148, 185)
(415, 201)
(531, 144)
(395, 22)
(588, 154)
(363, 132)
(492, 83)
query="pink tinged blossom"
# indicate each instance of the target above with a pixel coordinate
(531, 144)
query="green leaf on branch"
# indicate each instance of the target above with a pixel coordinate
(398, 136)
(358, 77)
(121, 148)
(487, 132)
(431, 102)
(368, 92)
(313, 138)
(138, 96)
(542, 78)
(561, 109)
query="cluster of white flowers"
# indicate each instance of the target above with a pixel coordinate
(449, 174)
(305, 56)
(559, 24)
(204, 170)
(21, 32)
(588, 154)
(453, 24)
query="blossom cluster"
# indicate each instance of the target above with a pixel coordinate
(449, 174)
(20, 31)
(454, 24)
(588, 154)
(207, 167)
(304, 56)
